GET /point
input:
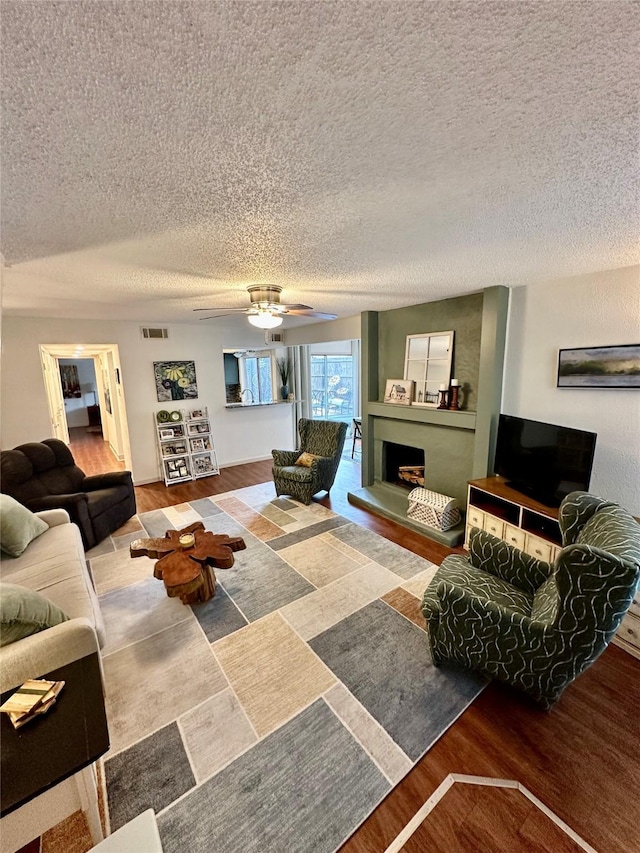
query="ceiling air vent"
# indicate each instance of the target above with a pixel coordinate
(155, 334)
(273, 337)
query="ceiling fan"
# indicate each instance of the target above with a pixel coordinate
(266, 311)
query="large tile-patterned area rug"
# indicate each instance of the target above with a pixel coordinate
(276, 716)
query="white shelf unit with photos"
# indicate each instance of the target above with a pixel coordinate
(185, 446)
(204, 461)
(173, 450)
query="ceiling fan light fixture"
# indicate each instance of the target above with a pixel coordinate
(265, 320)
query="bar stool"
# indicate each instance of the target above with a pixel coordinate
(357, 434)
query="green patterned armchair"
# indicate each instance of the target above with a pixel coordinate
(323, 439)
(532, 624)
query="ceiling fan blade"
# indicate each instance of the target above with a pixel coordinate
(319, 314)
(217, 316)
(219, 309)
(295, 307)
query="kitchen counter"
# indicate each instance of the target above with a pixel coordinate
(257, 405)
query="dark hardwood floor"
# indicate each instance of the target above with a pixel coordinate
(92, 453)
(580, 758)
(157, 495)
(471, 818)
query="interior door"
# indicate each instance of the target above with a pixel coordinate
(55, 400)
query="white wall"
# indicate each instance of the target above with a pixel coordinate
(591, 310)
(240, 435)
(332, 348)
(343, 329)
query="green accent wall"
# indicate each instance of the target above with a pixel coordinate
(368, 388)
(463, 314)
(458, 446)
(495, 311)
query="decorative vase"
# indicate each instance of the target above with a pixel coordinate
(284, 392)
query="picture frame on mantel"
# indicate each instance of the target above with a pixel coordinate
(427, 363)
(399, 392)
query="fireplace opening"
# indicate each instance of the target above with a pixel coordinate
(397, 456)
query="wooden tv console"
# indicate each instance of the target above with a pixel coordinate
(510, 515)
(533, 528)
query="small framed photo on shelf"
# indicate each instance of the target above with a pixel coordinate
(197, 414)
(177, 468)
(203, 464)
(198, 428)
(399, 391)
(178, 449)
(167, 433)
(197, 444)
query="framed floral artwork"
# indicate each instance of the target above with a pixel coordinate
(175, 380)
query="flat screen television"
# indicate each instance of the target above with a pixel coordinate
(544, 461)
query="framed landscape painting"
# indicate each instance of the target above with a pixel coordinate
(175, 380)
(600, 367)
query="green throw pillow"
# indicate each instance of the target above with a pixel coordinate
(18, 526)
(24, 612)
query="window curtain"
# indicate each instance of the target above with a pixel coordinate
(299, 357)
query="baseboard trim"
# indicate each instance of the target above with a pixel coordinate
(627, 647)
(119, 456)
(245, 461)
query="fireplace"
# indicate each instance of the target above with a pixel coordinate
(401, 436)
(395, 456)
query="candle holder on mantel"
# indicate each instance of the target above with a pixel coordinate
(454, 391)
(443, 402)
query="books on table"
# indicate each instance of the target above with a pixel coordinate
(34, 697)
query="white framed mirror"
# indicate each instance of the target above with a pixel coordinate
(427, 362)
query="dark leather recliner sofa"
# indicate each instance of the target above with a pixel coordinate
(43, 475)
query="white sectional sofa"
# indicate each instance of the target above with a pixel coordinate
(54, 565)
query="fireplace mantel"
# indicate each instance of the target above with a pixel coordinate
(441, 417)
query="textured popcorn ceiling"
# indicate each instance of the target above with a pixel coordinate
(161, 156)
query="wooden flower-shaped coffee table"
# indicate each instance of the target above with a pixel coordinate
(186, 559)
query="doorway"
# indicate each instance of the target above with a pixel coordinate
(83, 414)
(84, 387)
